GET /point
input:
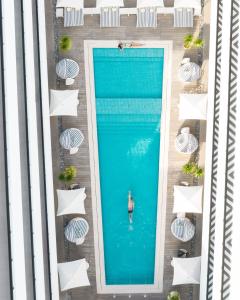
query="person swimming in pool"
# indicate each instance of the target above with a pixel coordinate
(130, 207)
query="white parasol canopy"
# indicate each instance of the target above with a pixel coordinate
(186, 270)
(73, 274)
(187, 199)
(70, 3)
(110, 3)
(188, 4)
(193, 106)
(63, 102)
(71, 201)
(149, 3)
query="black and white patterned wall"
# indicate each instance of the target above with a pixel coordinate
(230, 150)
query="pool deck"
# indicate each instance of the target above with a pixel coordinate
(128, 31)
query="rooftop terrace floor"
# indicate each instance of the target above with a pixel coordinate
(128, 31)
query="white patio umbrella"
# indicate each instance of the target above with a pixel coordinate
(187, 199)
(63, 102)
(70, 3)
(193, 106)
(110, 3)
(71, 201)
(149, 3)
(186, 270)
(188, 4)
(73, 274)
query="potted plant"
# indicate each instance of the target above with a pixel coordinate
(65, 43)
(173, 296)
(188, 41)
(68, 174)
(193, 169)
(198, 43)
(191, 42)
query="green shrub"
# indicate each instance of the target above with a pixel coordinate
(193, 169)
(198, 43)
(191, 42)
(68, 174)
(65, 43)
(173, 296)
(188, 41)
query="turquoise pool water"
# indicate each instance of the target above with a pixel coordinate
(128, 88)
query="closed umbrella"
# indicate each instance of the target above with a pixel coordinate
(183, 229)
(67, 68)
(189, 72)
(73, 274)
(186, 270)
(186, 142)
(71, 139)
(76, 230)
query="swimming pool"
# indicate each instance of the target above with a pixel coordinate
(128, 89)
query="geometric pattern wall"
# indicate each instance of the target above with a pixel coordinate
(215, 152)
(230, 150)
(231, 141)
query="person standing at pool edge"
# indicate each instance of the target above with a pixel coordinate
(130, 207)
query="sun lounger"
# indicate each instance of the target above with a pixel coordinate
(183, 17)
(147, 17)
(73, 17)
(109, 17)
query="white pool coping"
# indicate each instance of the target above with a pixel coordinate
(157, 287)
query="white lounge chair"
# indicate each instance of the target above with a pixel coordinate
(147, 12)
(63, 102)
(71, 201)
(186, 270)
(184, 11)
(73, 12)
(73, 274)
(193, 106)
(109, 12)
